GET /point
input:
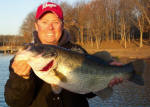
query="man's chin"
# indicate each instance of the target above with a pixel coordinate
(50, 42)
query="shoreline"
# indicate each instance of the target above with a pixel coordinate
(133, 53)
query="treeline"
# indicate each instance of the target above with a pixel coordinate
(102, 20)
(11, 40)
(109, 20)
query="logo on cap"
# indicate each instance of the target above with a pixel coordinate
(48, 5)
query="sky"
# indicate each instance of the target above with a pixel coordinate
(13, 13)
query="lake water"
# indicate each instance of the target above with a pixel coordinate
(126, 94)
(4, 73)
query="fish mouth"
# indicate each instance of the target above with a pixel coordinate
(48, 66)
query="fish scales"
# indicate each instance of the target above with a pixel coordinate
(76, 72)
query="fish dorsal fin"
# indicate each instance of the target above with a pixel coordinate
(56, 89)
(104, 55)
(105, 93)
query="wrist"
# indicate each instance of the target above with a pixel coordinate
(26, 76)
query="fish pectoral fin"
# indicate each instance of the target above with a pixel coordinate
(56, 89)
(105, 93)
(60, 75)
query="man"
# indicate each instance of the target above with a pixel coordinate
(24, 88)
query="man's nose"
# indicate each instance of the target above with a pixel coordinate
(50, 26)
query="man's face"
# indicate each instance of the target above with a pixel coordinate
(49, 28)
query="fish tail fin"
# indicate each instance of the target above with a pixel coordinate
(139, 68)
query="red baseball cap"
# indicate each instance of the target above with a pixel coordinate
(49, 7)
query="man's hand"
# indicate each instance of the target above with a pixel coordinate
(21, 68)
(115, 81)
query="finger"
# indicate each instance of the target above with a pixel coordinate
(117, 80)
(17, 64)
(121, 80)
(14, 64)
(116, 63)
(27, 71)
(111, 84)
(20, 68)
(23, 70)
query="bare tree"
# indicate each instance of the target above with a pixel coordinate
(141, 20)
(100, 20)
(27, 27)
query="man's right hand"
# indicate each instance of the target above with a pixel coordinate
(21, 68)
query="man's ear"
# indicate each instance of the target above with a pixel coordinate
(36, 26)
(62, 24)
